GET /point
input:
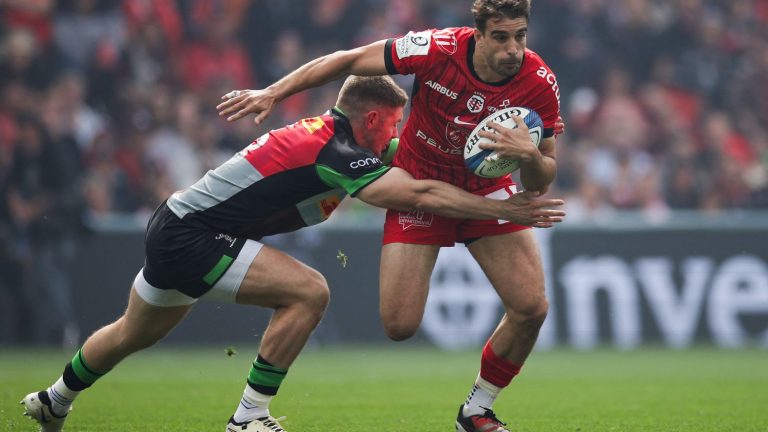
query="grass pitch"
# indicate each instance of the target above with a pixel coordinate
(396, 389)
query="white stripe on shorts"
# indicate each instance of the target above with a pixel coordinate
(224, 291)
(160, 297)
(228, 285)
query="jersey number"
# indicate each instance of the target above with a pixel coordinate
(312, 125)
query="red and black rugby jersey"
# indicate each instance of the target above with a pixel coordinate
(449, 99)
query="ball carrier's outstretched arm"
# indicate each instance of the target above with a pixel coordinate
(537, 168)
(365, 61)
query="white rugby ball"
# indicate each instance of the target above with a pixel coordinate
(475, 157)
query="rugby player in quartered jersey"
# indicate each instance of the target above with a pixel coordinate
(286, 179)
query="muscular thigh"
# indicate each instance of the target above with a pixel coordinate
(513, 266)
(276, 279)
(404, 277)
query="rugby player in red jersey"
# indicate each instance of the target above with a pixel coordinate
(461, 76)
(203, 242)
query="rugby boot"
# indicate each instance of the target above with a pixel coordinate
(262, 424)
(485, 422)
(37, 406)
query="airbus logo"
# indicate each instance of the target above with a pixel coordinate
(436, 86)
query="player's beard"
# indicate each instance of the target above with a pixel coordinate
(508, 68)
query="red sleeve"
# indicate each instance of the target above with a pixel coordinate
(549, 112)
(547, 102)
(411, 53)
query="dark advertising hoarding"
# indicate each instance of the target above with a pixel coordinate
(619, 287)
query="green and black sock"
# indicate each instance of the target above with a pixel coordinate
(77, 377)
(264, 377)
(263, 381)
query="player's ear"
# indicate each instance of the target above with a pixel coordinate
(372, 119)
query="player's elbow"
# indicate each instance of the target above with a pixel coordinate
(347, 58)
(354, 62)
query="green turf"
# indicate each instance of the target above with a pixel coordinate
(410, 389)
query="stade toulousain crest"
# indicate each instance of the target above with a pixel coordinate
(476, 103)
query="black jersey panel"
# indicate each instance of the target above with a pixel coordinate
(350, 185)
(271, 200)
(343, 155)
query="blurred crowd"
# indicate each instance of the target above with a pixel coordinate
(666, 103)
(108, 106)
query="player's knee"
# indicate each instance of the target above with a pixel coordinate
(399, 333)
(537, 312)
(540, 312)
(534, 312)
(316, 293)
(399, 329)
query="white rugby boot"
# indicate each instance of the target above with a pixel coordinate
(37, 406)
(262, 424)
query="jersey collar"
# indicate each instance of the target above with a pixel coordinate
(338, 111)
(341, 119)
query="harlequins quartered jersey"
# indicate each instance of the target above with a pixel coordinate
(286, 179)
(449, 100)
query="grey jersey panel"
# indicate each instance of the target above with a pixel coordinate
(215, 187)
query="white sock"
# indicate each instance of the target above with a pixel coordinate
(253, 405)
(481, 397)
(61, 397)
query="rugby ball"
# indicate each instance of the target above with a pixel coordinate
(475, 157)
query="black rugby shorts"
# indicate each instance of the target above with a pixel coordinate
(186, 258)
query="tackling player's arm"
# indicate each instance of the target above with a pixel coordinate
(365, 61)
(398, 190)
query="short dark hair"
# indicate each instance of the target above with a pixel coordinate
(360, 93)
(484, 10)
